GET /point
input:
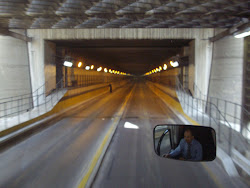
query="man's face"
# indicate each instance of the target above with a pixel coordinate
(188, 137)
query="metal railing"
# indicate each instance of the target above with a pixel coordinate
(234, 113)
(24, 107)
(39, 101)
(79, 80)
(208, 114)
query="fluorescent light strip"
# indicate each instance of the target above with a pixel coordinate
(242, 35)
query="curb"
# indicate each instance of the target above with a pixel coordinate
(227, 162)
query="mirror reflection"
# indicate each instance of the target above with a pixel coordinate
(185, 142)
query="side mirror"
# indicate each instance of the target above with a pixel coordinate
(185, 142)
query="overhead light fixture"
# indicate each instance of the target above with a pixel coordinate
(99, 69)
(165, 67)
(87, 67)
(92, 67)
(79, 64)
(242, 35)
(68, 64)
(174, 64)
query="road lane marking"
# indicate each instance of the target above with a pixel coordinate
(173, 105)
(101, 148)
(216, 181)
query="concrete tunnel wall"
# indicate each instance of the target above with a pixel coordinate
(85, 78)
(42, 67)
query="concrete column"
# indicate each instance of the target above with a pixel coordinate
(36, 54)
(59, 66)
(14, 67)
(203, 58)
(226, 74)
(226, 77)
(50, 66)
(191, 67)
(246, 89)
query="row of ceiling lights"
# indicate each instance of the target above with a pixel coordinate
(92, 67)
(164, 67)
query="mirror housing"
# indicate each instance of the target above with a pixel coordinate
(185, 142)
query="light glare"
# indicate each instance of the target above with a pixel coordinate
(165, 67)
(79, 64)
(174, 64)
(68, 64)
(99, 69)
(128, 125)
(242, 35)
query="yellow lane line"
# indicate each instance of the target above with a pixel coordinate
(216, 181)
(173, 103)
(96, 157)
(100, 149)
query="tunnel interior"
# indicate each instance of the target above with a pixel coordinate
(135, 57)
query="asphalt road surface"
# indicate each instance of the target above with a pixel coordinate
(131, 161)
(58, 156)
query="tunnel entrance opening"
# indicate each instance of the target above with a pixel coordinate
(132, 56)
(135, 57)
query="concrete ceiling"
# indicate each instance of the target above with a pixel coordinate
(131, 56)
(23, 14)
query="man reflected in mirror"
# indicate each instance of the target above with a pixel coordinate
(188, 149)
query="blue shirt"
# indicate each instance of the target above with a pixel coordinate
(195, 150)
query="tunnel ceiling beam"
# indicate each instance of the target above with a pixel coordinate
(237, 28)
(15, 35)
